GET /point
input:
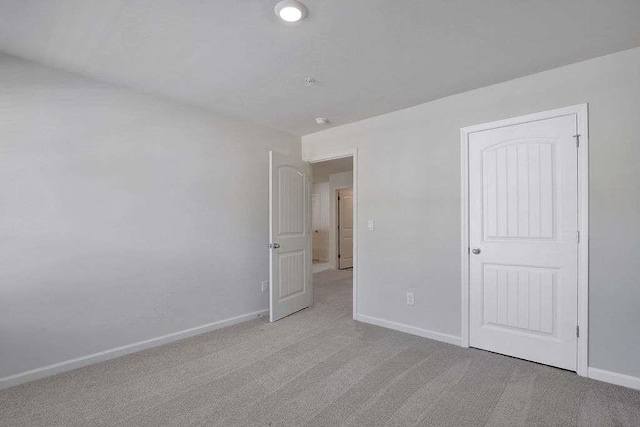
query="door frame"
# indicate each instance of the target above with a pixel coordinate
(337, 230)
(580, 111)
(352, 152)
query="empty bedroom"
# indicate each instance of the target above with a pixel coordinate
(319, 212)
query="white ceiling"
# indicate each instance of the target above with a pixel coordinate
(322, 170)
(369, 57)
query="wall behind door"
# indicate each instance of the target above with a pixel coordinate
(409, 183)
(123, 217)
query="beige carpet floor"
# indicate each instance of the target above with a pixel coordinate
(317, 367)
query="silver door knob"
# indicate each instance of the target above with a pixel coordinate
(475, 251)
(273, 245)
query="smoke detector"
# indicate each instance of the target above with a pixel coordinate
(322, 121)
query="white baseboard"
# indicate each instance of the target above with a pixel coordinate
(614, 378)
(79, 362)
(425, 333)
(593, 373)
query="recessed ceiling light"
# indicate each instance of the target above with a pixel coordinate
(322, 121)
(290, 10)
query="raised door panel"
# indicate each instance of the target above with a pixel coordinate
(292, 274)
(291, 208)
(520, 299)
(519, 191)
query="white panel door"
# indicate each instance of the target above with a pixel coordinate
(523, 222)
(289, 236)
(316, 205)
(345, 228)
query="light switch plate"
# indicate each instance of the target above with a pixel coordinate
(265, 286)
(370, 225)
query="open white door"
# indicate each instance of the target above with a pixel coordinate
(289, 236)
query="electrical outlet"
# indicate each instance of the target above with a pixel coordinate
(265, 286)
(410, 298)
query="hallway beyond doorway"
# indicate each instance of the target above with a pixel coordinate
(319, 266)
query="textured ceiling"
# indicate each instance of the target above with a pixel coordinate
(369, 57)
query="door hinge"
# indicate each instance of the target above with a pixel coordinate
(469, 251)
(577, 137)
(578, 331)
(578, 236)
(338, 256)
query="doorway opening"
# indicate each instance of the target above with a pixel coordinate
(334, 221)
(300, 225)
(332, 214)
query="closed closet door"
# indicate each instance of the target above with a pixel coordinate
(523, 222)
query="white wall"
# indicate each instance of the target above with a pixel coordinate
(320, 223)
(123, 217)
(416, 244)
(337, 181)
